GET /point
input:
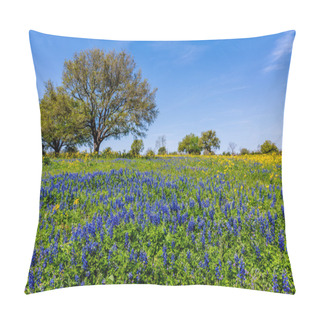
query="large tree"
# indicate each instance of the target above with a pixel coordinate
(115, 99)
(190, 144)
(209, 141)
(62, 123)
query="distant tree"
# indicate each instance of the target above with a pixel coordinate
(107, 151)
(161, 142)
(150, 153)
(136, 147)
(71, 148)
(209, 141)
(244, 151)
(269, 147)
(115, 99)
(62, 123)
(162, 151)
(232, 147)
(190, 144)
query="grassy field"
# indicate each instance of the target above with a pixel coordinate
(212, 220)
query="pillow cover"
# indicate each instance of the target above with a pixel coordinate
(161, 163)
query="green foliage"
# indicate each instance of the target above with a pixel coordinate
(162, 151)
(190, 144)
(62, 122)
(209, 141)
(269, 147)
(136, 147)
(116, 100)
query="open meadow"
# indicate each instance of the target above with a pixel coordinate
(167, 220)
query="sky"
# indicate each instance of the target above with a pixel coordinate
(236, 87)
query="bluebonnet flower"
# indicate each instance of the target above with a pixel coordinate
(275, 283)
(130, 276)
(110, 232)
(76, 278)
(60, 267)
(131, 255)
(236, 259)
(258, 253)
(219, 276)
(242, 272)
(206, 260)
(82, 283)
(191, 225)
(209, 237)
(173, 244)
(103, 281)
(191, 203)
(31, 280)
(281, 240)
(193, 238)
(203, 239)
(172, 259)
(84, 260)
(52, 282)
(164, 255)
(188, 255)
(285, 282)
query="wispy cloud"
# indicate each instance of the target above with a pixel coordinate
(282, 49)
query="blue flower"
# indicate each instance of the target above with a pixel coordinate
(242, 272)
(285, 282)
(31, 280)
(206, 260)
(76, 278)
(164, 255)
(275, 283)
(126, 242)
(219, 276)
(281, 240)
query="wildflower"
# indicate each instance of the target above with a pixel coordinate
(219, 276)
(242, 272)
(281, 240)
(206, 260)
(31, 280)
(188, 255)
(76, 278)
(172, 259)
(275, 283)
(164, 255)
(126, 242)
(258, 253)
(285, 282)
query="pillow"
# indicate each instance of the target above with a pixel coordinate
(161, 163)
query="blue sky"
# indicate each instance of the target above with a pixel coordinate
(235, 87)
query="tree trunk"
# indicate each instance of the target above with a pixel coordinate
(96, 146)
